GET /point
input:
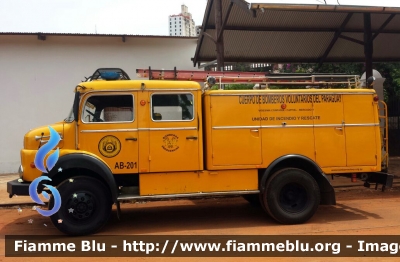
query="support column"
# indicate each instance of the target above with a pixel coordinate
(219, 36)
(368, 45)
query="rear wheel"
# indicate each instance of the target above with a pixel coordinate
(85, 206)
(291, 196)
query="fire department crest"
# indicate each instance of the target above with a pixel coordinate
(170, 143)
(109, 146)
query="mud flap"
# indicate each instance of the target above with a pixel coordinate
(379, 178)
(118, 210)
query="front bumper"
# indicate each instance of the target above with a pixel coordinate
(21, 171)
(18, 188)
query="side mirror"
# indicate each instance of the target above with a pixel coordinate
(211, 80)
(75, 107)
(370, 81)
(209, 83)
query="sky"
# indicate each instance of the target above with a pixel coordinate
(141, 17)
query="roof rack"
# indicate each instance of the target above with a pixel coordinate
(232, 77)
(108, 74)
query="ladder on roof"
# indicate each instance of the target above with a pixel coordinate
(232, 77)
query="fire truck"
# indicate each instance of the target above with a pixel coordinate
(180, 134)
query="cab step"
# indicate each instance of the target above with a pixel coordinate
(136, 196)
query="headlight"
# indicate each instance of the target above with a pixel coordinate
(20, 171)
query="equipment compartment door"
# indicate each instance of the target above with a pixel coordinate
(236, 130)
(330, 142)
(108, 129)
(174, 131)
(361, 127)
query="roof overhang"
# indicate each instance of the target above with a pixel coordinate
(43, 35)
(276, 33)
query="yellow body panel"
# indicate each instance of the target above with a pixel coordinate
(31, 146)
(329, 132)
(235, 138)
(198, 182)
(144, 134)
(252, 128)
(126, 85)
(361, 144)
(286, 131)
(351, 169)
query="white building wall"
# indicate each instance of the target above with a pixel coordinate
(38, 77)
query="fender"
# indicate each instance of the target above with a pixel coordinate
(79, 160)
(326, 189)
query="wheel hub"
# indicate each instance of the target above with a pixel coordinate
(80, 206)
(293, 198)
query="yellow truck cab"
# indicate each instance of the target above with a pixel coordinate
(163, 139)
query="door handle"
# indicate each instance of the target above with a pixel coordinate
(191, 137)
(254, 130)
(131, 138)
(339, 128)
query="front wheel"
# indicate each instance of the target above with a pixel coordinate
(85, 206)
(291, 196)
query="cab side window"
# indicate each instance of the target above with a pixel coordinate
(108, 108)
(172, 107)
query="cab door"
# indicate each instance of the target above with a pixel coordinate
(108, 129)
(173, 131)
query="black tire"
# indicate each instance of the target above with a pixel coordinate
(253, 199)
(291, 196)
(91, 206)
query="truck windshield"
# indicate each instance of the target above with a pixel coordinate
(70, 117)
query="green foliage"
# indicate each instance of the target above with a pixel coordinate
(238, 87)
(285, 87)
(234, 87)
(390, 71)
(344, 68)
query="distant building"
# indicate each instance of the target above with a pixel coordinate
(182, 24)
(198, 30)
